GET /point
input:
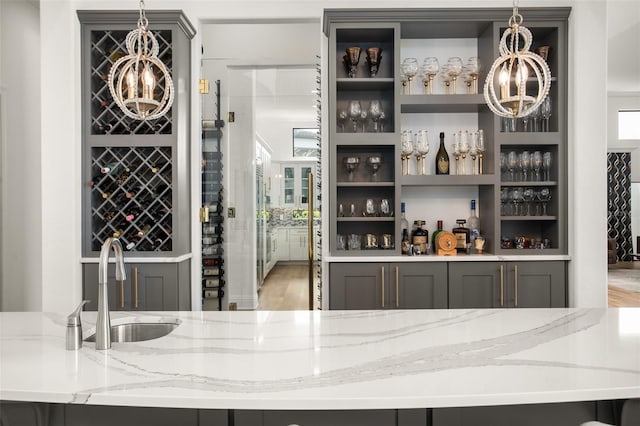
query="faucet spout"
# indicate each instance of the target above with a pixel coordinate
(103, 324)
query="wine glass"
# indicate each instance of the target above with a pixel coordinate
(430, 68)
(351, 164)
(464, 148)
(546, 165)
(342, 118)
(354, 110)
(467, 78)
(410, 69)
(455, 69)
(363, 118)
(407, 150)
(480, 148)
(473, 69)
(352, 58)
(503, 165)
(545, 112)
(516, 197)
(374, 163)
(536, 162)
(512, 162)
(456, 151)
(422, 149)
(528, 195)
(375, 111)
(374, 56)
(473, 152)
(544, 195)
(504, 197)
(525, 164)
(445, 76)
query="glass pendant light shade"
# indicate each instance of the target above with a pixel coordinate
(522, 77)
(134, 78)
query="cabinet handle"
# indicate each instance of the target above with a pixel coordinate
(397, 290)
(121, 294)
(382, 289)
(135, 287)
(515, 285)
(501, 285)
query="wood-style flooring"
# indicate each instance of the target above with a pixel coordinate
(620, 297)
(286, 288)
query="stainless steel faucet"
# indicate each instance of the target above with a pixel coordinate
(103, 324)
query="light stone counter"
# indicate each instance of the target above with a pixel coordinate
(331, 359)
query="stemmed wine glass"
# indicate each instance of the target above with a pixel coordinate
(355, 111)
(445, 76)
(352, 58)
(363, 117)
(480, 148)
(473, 69)
(410, 69)
(503, 165)
(430, 68)
(545, 112)
(351, 164)
(342, 118)
(544, 195)
(422, 149)
(464, 148)
(525, 164)
(528, 195)
(374, 163)
(512, 162)
(374, 56)
(407, 150)
(504, 197)
(473, 152)
(456, 151)
(536, 161)
(455, 69)
(516, 197)
(546, 165)
(375, 112)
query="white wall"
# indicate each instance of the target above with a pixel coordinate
(21, 280)
(60, 143)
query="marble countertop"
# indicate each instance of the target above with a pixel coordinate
(331, 359)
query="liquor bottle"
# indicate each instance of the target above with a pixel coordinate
(435, 233)
(420, 237)
(442, 158)
(474, 223)
(405, 245)
(461, 232)
(404, 223)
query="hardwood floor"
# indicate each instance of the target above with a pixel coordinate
(286, 288)
(620, 297)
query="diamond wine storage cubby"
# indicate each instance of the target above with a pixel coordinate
(131, 197)
(107, 47)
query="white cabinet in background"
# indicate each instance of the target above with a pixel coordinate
(298, 244)
(282, 249)
(295, 184)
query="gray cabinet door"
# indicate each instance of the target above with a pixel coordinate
(476, 285)
(419, 285)
(358, 286)
(536, 284)
(154, 287)
(99, 415)
(118, 291)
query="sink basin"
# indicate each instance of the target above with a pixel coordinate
(139, 331)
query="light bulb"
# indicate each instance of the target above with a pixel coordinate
(504, 83)
(148, 83)
(132, 87)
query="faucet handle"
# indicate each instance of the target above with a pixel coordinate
(73, 319)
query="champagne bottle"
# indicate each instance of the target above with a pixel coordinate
(442, 158)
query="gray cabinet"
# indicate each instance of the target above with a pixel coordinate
(412, 417)
(507, 284)
(148, 287)
(388, 285)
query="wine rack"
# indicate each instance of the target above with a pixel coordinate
(131, 197)
(211, 213)
(106, 117)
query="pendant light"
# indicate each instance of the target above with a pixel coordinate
(139, 82)
(523, 77)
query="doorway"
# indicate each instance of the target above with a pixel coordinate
(268, 75)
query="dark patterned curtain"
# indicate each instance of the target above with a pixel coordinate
(619, 191)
